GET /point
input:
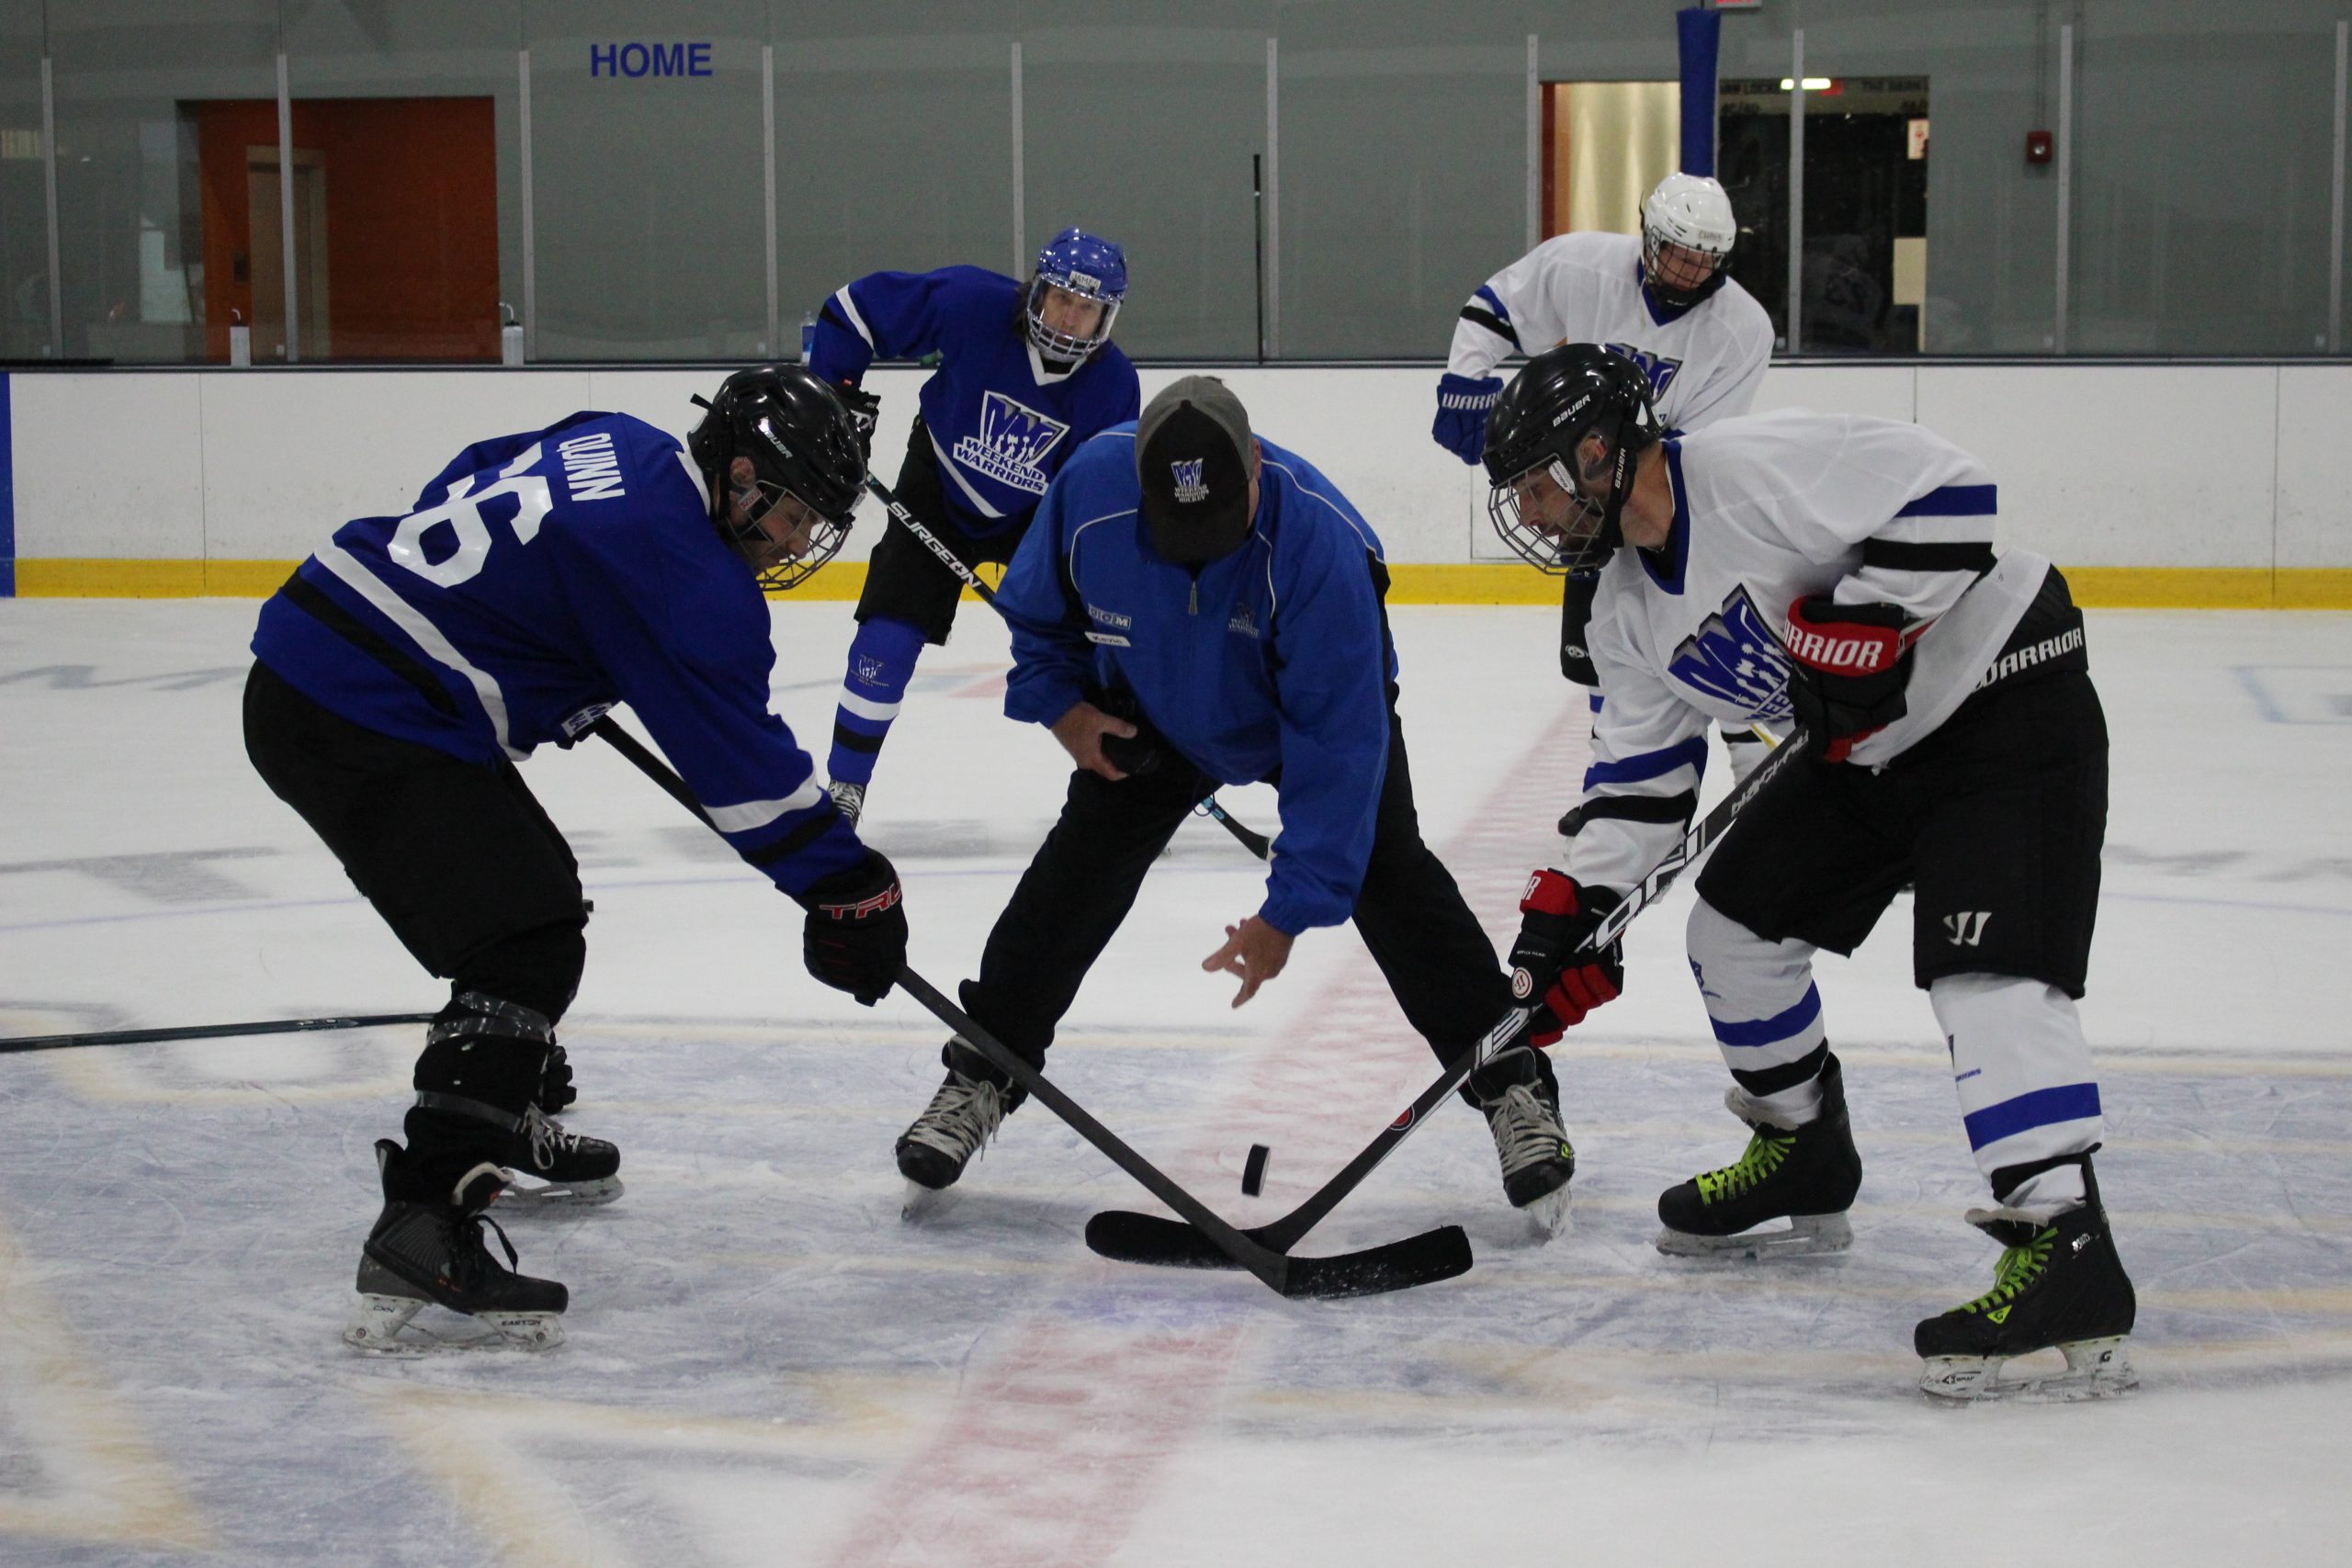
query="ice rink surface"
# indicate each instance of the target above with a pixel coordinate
(767, 1366)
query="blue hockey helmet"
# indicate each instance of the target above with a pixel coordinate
(1094, 269)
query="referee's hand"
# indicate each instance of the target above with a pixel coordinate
(1253, 950)
(1080, 731)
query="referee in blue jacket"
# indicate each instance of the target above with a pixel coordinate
(1194, 606)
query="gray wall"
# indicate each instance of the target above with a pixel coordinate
(2202, 149)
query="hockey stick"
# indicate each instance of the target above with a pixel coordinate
(208, 1031)
(1153, 1238)
(1255, 843)
(1434, 1255)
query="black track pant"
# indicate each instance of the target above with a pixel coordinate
(1430, 946)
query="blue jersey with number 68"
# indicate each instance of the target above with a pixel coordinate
(540, 578)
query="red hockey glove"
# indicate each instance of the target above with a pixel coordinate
(1848, 666)
(1551, 966)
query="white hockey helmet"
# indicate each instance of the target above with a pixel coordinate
(1692, 212)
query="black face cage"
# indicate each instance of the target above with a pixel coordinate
(1579, 545)
(826, 538)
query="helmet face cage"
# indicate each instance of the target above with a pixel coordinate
(1092, 269)
(1692, 214)
(1583, 542)
(795, 435)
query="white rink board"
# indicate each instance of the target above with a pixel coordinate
(2177, 466)
(766, 1367)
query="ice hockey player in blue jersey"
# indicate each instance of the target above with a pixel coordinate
(1225, 592)
(403, 670)
(1026, 376)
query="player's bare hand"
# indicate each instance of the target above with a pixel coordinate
(1253, 950)
(1080, 731)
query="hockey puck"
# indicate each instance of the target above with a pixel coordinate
(1253, 1171)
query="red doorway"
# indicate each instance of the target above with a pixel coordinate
(396, 218)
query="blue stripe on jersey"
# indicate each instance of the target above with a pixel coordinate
(1779, 1027)
(1595, 701)
(1691, 753)
(2044, 1107)
(1493, 304)
(1953, 500)
(1676, 557)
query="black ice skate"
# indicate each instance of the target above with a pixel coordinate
(849, 799)
(427, 1249)
(1534, 1147)
(561, 1168)
(1807, 1175)
(2058, 1283)
(962, 1117)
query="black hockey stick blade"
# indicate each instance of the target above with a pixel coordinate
(1124, 1236)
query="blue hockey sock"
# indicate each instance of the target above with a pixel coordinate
(881, 661)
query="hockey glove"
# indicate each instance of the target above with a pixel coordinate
(1849, 663)
(856, 936)
(1134, 755)
(1550, 966)
(865, 412)
(1462, 409)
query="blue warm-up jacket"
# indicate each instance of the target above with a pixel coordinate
(1271, 664)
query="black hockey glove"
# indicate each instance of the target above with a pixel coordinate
(865, 412)
(1848, 667)
(856, 936)
(1550, 967)
(1134, 755)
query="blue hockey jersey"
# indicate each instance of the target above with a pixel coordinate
(542, 578)
(1002, 418)
(1273, 659)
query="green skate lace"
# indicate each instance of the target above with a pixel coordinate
(2019, 1267)
(1764, 1153)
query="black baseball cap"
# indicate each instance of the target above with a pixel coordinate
(1193, 461)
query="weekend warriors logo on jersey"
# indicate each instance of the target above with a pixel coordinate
(1735, 657)
(1657, 366)
(1189, 486)
(1012, 446)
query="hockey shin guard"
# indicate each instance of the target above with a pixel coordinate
(2027, 1096)
(1766, 1013)
(881, 661)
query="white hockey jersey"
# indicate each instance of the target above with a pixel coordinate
(1769, 510)
(1705, 363)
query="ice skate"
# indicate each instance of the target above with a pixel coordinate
(962, 1117)
(849, 799)
(2059, 1284)
(1807, 1174)
(1537, 1159)
(557, 1168)
(428, 1251)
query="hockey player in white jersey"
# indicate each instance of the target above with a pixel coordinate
(1838, 571)
(1665, 301)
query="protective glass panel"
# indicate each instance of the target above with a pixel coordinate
(132, 79)
(1148, 136)
(24, 201)
(2201, 179)
(407, 140)
(894, 151)
(647, 180)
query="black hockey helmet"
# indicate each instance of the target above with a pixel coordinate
(800, 441)
(1557, 399)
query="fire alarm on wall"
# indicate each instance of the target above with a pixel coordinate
(2036, 147)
